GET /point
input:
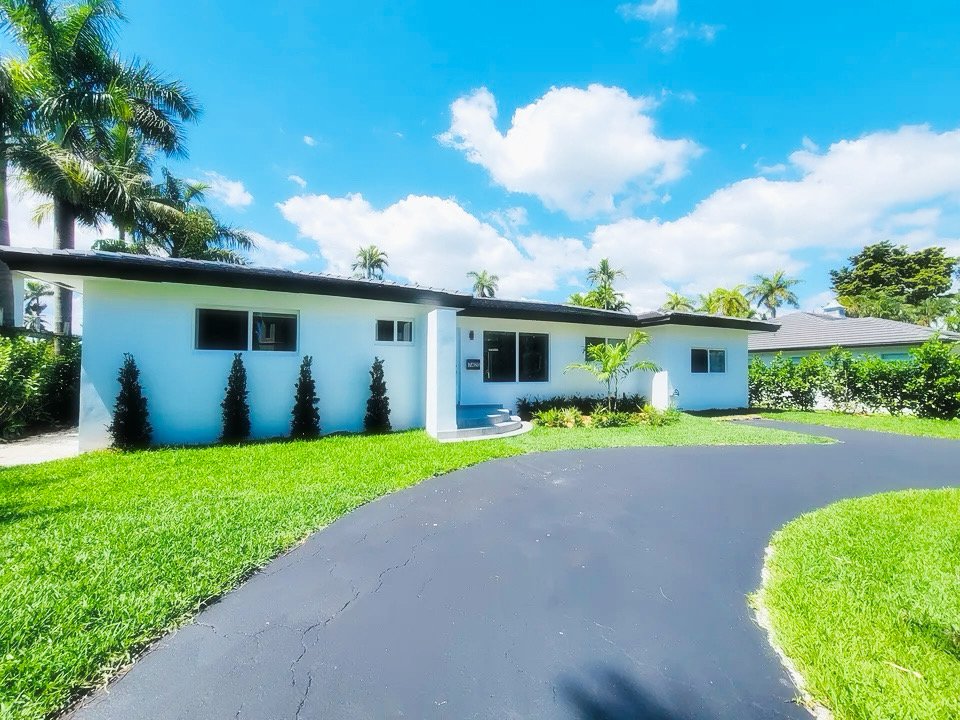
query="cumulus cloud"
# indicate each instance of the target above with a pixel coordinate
(274, 253)
(578, 150)
(308, 140)
(666, 32)
(432, 241)
(230, 192)
(298, 180)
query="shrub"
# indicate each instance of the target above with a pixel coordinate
(236, 411)
(377, 419)
(879, 385)
(130, 427)
(933, 390)
(528, 407)
(784, 384)
(306, 416)
(38, 387)
(658, 418)
(559, 417)
(604, 418)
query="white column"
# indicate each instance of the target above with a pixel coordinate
(660, 390)
(441, 371)
(18, 289)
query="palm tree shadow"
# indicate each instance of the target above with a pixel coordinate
(608, 694)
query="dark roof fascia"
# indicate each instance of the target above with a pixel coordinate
(545, 312)
(148, 269)
(710, 321)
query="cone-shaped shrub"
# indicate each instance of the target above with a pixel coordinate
(131, 421)
(306, 416)
(377, 419)
(236, 411)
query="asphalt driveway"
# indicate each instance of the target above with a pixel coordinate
(584, 584)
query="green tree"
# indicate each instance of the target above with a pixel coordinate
(484, 284)
(236, 410)
(306, 416)
(894, 271)
(610, 364)
(727, 301)
(773, 291)
(604, 273)
(130, 427)
(371, 263)
(677, 303)
(377, 417)
(33, 305)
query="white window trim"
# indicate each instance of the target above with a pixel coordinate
(391, 343)
(708, 351)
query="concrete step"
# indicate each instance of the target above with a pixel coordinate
(512, 425)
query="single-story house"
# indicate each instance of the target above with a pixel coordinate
(804, 333)
(448, 357)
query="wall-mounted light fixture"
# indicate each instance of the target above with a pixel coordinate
(471, 334)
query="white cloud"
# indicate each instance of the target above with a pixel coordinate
(24, 232)
(298, 180)
(509, 220)
(273, 253)
(776, 169)
(665, 30)
(653, 10)
(578, 150)
(230, 192)
(307, 139)
(432, 241)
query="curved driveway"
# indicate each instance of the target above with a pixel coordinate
(583, 584)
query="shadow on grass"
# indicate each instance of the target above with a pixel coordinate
(609, 694)
(11, 513)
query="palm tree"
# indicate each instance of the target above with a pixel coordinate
(371, 263)
(932, 310)
(579, 299)
(773, 291)
(677, 303)
(727, 301)
(33, 305)
(604, 273)
(610, 363)
(606, 298)
(484, 284)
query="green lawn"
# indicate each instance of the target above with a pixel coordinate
(903, 424)
(100, 553)
(864, 597)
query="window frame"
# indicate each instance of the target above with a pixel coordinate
(396, 321)
(709, 370)
(249, 311)
(296, 324)
(516, 356)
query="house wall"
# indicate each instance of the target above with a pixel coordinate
(888, 352)
(184, 386)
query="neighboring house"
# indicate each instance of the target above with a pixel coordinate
(447, 355)
(803, 333)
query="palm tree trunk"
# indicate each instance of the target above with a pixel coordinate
(6, 277)
(64, 224)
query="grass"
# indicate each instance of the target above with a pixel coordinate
(863, 597)
(100, 554)
(902, 424)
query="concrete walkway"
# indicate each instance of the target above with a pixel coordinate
(606, 584)
(40, 448)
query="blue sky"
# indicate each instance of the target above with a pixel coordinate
(694, 143)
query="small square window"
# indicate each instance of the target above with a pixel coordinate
(221, 329)
(698, 361)
(385, 330)
(274, 332)
(718, 361)
(404, 331)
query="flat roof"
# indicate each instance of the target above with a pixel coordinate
(149, 268)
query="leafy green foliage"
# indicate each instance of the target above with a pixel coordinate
(610, 364)
(528, 407)
(33, 304)
(602, 296)
(38, 387)
(484, 284)
(371, 263)
(890, 270)
(933, 386)
(306, 416)
(130, 427)
(559, 417)
(236, 410)
(606, 418)
(731, 302)
(677, 302)
(377, 418)
(774, 291)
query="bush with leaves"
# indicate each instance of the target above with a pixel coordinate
(236, 411)
(38, 387)
(785, 384)
(933, 389)
(604, 418)
(377, 418)
(306, 416)
(528, 407)
(130, 427)
(559, 417)
(658, 418)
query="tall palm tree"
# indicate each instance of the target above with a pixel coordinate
(677, 302)
(371, 263)
(33, 305)
(727, 301)
(606, 298)
(604, 273)
(773, 291)
(484, 284)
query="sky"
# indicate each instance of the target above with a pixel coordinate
(693, 143)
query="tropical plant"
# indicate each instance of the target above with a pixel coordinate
(603, 297)
(773, 291)
(236, 410)
(893, 270)
(933, 390)
(559, 417)
(484, 284)
(610, 364)
(527, 407)
(33, 305)
(604, 273)
(371, 263)
(130, 427)
(730, 302)
(377, 417)
(677, 303)
(306, 416)
(579, 299)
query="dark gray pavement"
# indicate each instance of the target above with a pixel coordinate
(601, 584)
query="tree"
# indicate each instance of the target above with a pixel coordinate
(610, 364)
(130, 426)
(33, 305)
(306, 416)
(236, 411)
(727, 301)
(484, 284)
(377, 418)
(677, 303)
(604, 273)
(894, 271)
(773, 291)
(371, 263)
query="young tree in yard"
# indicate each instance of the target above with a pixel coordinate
(484, 284)
(306, 416)
(377, 419)
(611, 363)
(131, 420)
(771, 292)
(236, 411)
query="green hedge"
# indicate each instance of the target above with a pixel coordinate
(38, 387)
(928, 384)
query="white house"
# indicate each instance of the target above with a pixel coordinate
(447, 355)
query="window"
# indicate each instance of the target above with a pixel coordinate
(534, 352)
(500, 356)
(591, 341)
(274, 331)
(395, 331)
(221, 329)
(703, 361)
(890, 357)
